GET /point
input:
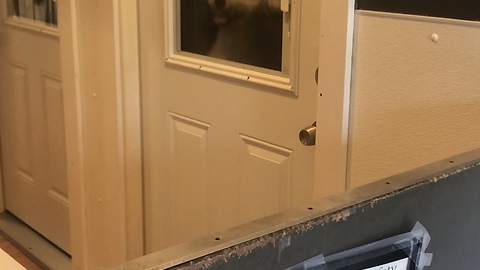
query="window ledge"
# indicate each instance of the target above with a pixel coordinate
(277, 82)
(30, 25)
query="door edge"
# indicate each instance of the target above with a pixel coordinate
(333, 96)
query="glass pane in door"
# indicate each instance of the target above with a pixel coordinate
(242, 31)
(37, 10)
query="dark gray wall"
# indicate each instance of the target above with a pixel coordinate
(448, 208)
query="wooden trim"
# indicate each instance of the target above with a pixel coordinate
(31, 25)
(74, 132)
(2, 202)
(3, 14)
(333, 100)
(128, 76)
(451, 9)
(2, 199)
(102, 114)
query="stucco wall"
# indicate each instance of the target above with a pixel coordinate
(415, 101)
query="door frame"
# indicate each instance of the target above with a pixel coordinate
(337, 21)
(107, 216)
(3, 16)
(102, 116)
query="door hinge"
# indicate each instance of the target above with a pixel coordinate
(285, 5)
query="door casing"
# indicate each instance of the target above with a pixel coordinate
(102, 130)
(3, 15)
(333, 99)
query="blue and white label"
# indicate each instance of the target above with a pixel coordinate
(397, 265)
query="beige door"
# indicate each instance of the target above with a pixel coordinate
(221, 123)
(32, 124)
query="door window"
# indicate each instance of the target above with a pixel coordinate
(37, 10)
(247, 32)
(243, 39)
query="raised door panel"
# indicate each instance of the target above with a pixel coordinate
(266, 174)
(55, 137)
(22, 131)
(20, 174)
(189, 141)
(55, 186)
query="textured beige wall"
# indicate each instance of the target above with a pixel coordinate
(415, 101)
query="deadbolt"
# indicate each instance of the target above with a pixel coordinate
(307, 135)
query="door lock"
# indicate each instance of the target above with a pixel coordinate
(307, 135)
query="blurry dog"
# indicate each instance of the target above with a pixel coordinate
(248, 32)
(223, 10)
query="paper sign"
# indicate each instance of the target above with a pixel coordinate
(398, 265)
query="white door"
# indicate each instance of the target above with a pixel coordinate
(32, 124)
(221, 144)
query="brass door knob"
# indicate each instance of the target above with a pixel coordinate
(307, 135)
